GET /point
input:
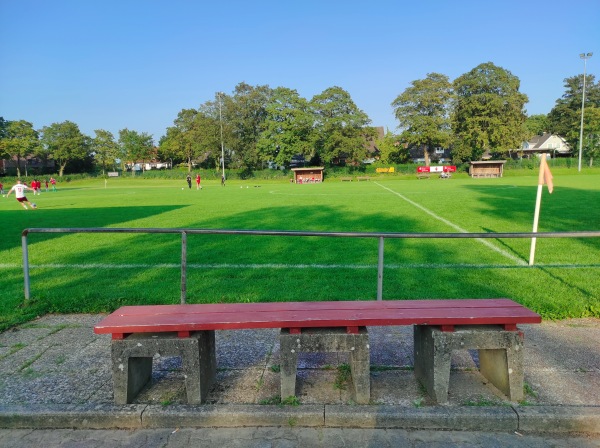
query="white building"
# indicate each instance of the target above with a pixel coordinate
(546, 143)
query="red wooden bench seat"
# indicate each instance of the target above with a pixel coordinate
(185, 319)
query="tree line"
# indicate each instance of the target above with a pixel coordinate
(481, 111)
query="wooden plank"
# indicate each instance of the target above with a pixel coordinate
(245, 311)
(302, 318)
(315, 306)
(320, 307)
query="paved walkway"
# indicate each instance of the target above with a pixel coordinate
(55, 373)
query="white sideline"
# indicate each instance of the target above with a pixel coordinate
(455, 227)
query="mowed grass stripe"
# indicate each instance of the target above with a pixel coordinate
(454, 226)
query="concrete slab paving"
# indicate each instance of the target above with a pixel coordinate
(55, 372)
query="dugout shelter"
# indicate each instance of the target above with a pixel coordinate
(308, 175)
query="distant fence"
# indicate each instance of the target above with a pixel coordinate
(284, 233)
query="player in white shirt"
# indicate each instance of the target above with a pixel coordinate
(19, 190)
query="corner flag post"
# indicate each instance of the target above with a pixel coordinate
(545, 176)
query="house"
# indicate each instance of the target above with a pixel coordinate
(373, 152)
(27, 165)
(437, 154)
(545, 143)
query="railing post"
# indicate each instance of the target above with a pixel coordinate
(25, 266)
(380, 271)
(183, 267)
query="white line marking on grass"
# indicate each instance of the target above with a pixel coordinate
(308, 193)
(295, 266)
(455, 227)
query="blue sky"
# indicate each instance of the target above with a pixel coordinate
(135, 64)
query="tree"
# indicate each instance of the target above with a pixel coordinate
(422, 111)
(104, 148)
(18, 140)
(341, 127)
(288, 128)
(488, 113)
(565, 117)
(393, 150)
(135, 147)
(591, 133)
(195, 137)
(246, 113)
(64, 142)
(3, 126)
(536, 125)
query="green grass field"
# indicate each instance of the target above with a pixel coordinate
(100, 272)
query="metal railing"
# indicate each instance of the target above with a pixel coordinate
(381, 236)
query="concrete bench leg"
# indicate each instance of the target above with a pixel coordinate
(289, 366)
(132, 363)
(432, 362)
(316, 340)
(360, 367)
(500, 357)
(504, 368)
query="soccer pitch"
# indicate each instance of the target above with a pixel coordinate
(100, 272)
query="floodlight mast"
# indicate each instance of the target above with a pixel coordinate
(585, 57)
(222, 146)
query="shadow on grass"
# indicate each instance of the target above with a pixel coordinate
(565, 210)
(15, 221)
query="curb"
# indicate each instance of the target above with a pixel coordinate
(542, 419)
(438, 417)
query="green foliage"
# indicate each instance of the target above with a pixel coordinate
(292, 400)
(528, 390)
(288, 128)
(194, 138)
(536, 125)
(422, 113)
(19, 140)
(340, 126)
(393, 150)
(565, 117)
(245, 114)
(65, 143)
(105, 149)
(135, 146)
(489, 111)
(591, 133)
(276, 399)
(482, 401)
(343, 377)
(417, 403)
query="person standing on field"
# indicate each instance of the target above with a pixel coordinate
(189, 181)
(198, 187)
(53, 183)
(19, 190)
